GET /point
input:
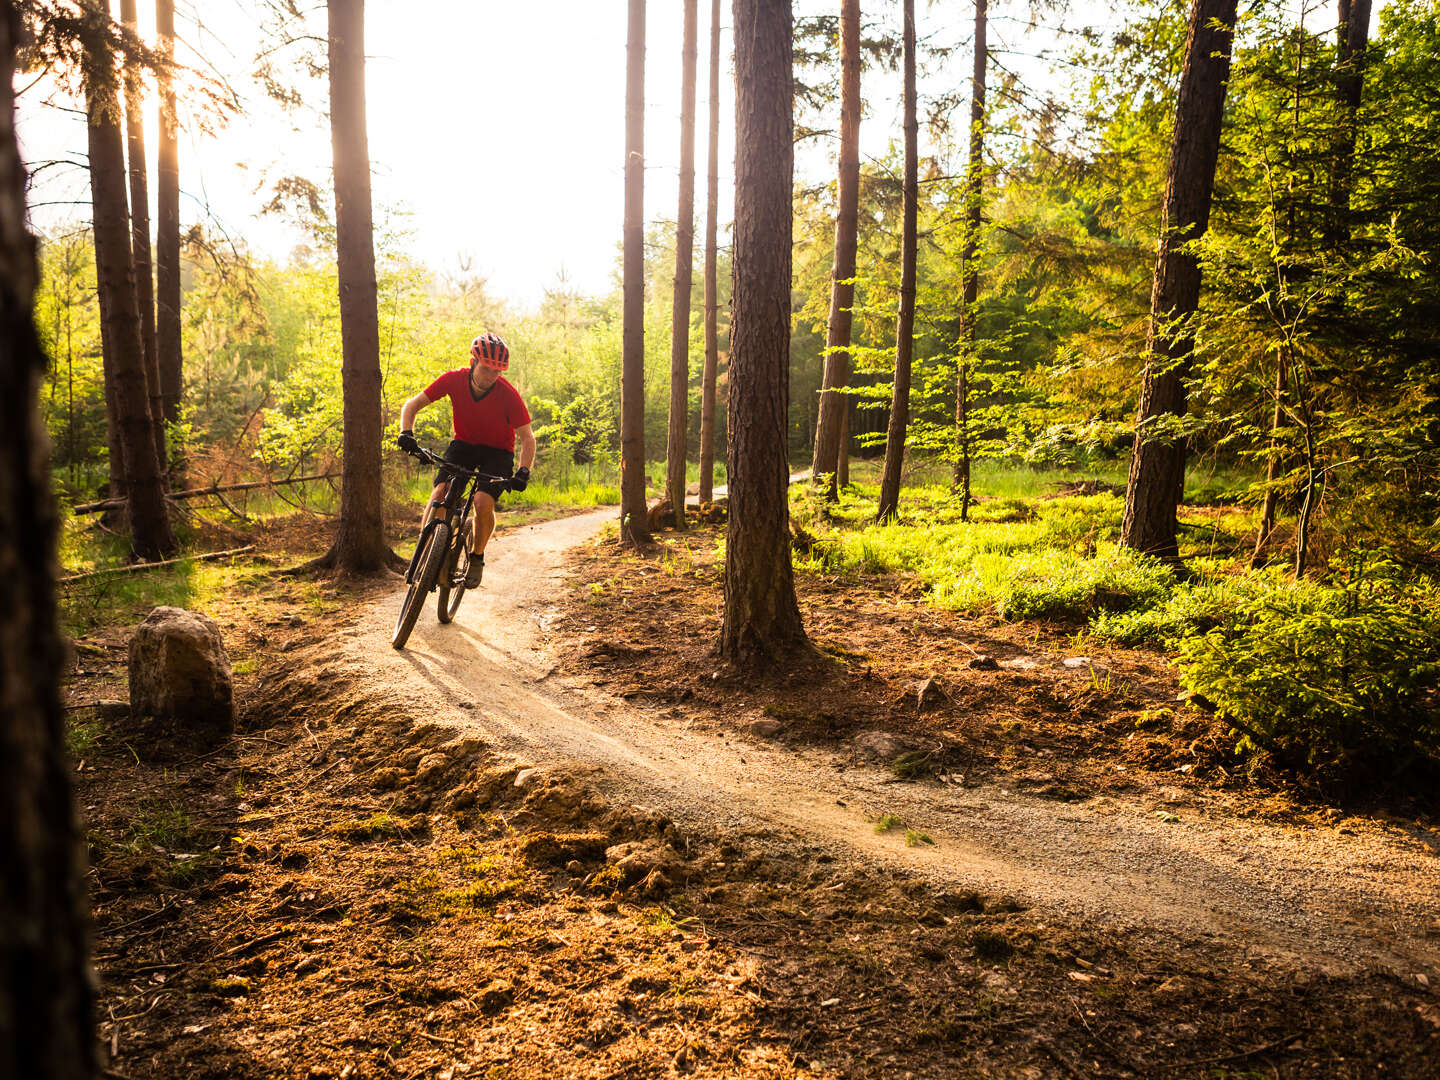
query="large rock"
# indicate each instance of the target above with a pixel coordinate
(180, 674)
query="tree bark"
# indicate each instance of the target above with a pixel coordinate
(969, 257)
(167, 231)
(140, 231)
(360, 546)
(46, 996)
(761, 625)
(684, 263)
(151, 534)
(1353, 44)
(1157, 465)
(905, 321)
(712, 298)
(834, 403)
(634, 524)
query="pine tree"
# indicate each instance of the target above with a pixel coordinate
(684, 262)
(834, 404)
(634, 523)
(712, 299)
(1157, 463)
(761, 625)
(905, 320)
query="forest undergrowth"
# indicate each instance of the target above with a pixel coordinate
(345, 889)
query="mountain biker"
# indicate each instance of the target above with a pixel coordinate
(487, 414)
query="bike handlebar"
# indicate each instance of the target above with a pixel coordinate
(429, 457)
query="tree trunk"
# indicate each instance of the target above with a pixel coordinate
(969, 258)
(684, 263)
(360, 546)
(140, 231)
(634, 526)
(1157, 464)
(46, 997)
(1354, 37)
(150, 530)
(905, 322)
(834, 403)
(761, 623)
(167, 235)
(842, 458)
(712, 298)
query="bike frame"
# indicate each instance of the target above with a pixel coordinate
(459, 499)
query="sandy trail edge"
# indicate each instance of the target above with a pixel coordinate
(1322, 898)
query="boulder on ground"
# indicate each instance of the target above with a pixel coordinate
(881, 745)
(180, 673)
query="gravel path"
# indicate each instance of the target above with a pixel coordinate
(1329, 898)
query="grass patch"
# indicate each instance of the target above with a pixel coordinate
(916, 838)
(888, 822)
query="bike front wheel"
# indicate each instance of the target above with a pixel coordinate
(452, 582)
(427, 573)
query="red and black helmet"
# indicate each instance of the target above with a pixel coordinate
(489, 350)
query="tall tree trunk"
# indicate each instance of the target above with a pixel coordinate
(634, 525)
(1157, 464)
(140, 230)
(167, 232)
(360, 546)
(1353, 44)
(761, 623)
(905, 321)
(970, 275)
(46, 1000)
(150, 530)
(842, 457)
(834, 403)
(684, 264)
(712, 298)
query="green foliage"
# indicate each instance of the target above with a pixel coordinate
(1329, 677)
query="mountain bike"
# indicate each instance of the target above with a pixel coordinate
(441, 562)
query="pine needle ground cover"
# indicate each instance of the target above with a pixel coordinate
(346, 889)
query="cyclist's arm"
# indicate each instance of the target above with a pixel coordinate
(410, 408)
(527, 445)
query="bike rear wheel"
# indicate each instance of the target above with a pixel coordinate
(429, 565)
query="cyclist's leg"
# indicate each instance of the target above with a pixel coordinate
(484, 521)
(436, 496)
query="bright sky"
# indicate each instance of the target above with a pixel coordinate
(496, 129)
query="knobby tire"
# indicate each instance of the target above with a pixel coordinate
(450, 594)
(437, 546)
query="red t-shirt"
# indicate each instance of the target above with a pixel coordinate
(492, 420)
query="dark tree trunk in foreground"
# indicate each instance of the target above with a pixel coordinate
(634, 525)
(167, 230)
(46, 1001)
(1157, 464)
(970, 262)
(905, 321)
(684, 262)
(834, 404)
(712, 298)
(360, 547)
(1354, 40)
(151, 534)
(762, 620)
(140, 231)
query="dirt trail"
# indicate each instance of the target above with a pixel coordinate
(1340, 901)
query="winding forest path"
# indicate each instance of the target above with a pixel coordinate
(1336, 899)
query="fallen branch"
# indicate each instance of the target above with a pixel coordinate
(196, 493)
(206, 556)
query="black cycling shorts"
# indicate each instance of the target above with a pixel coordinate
(488, 459)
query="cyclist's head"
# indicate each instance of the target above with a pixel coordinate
(489, 351)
